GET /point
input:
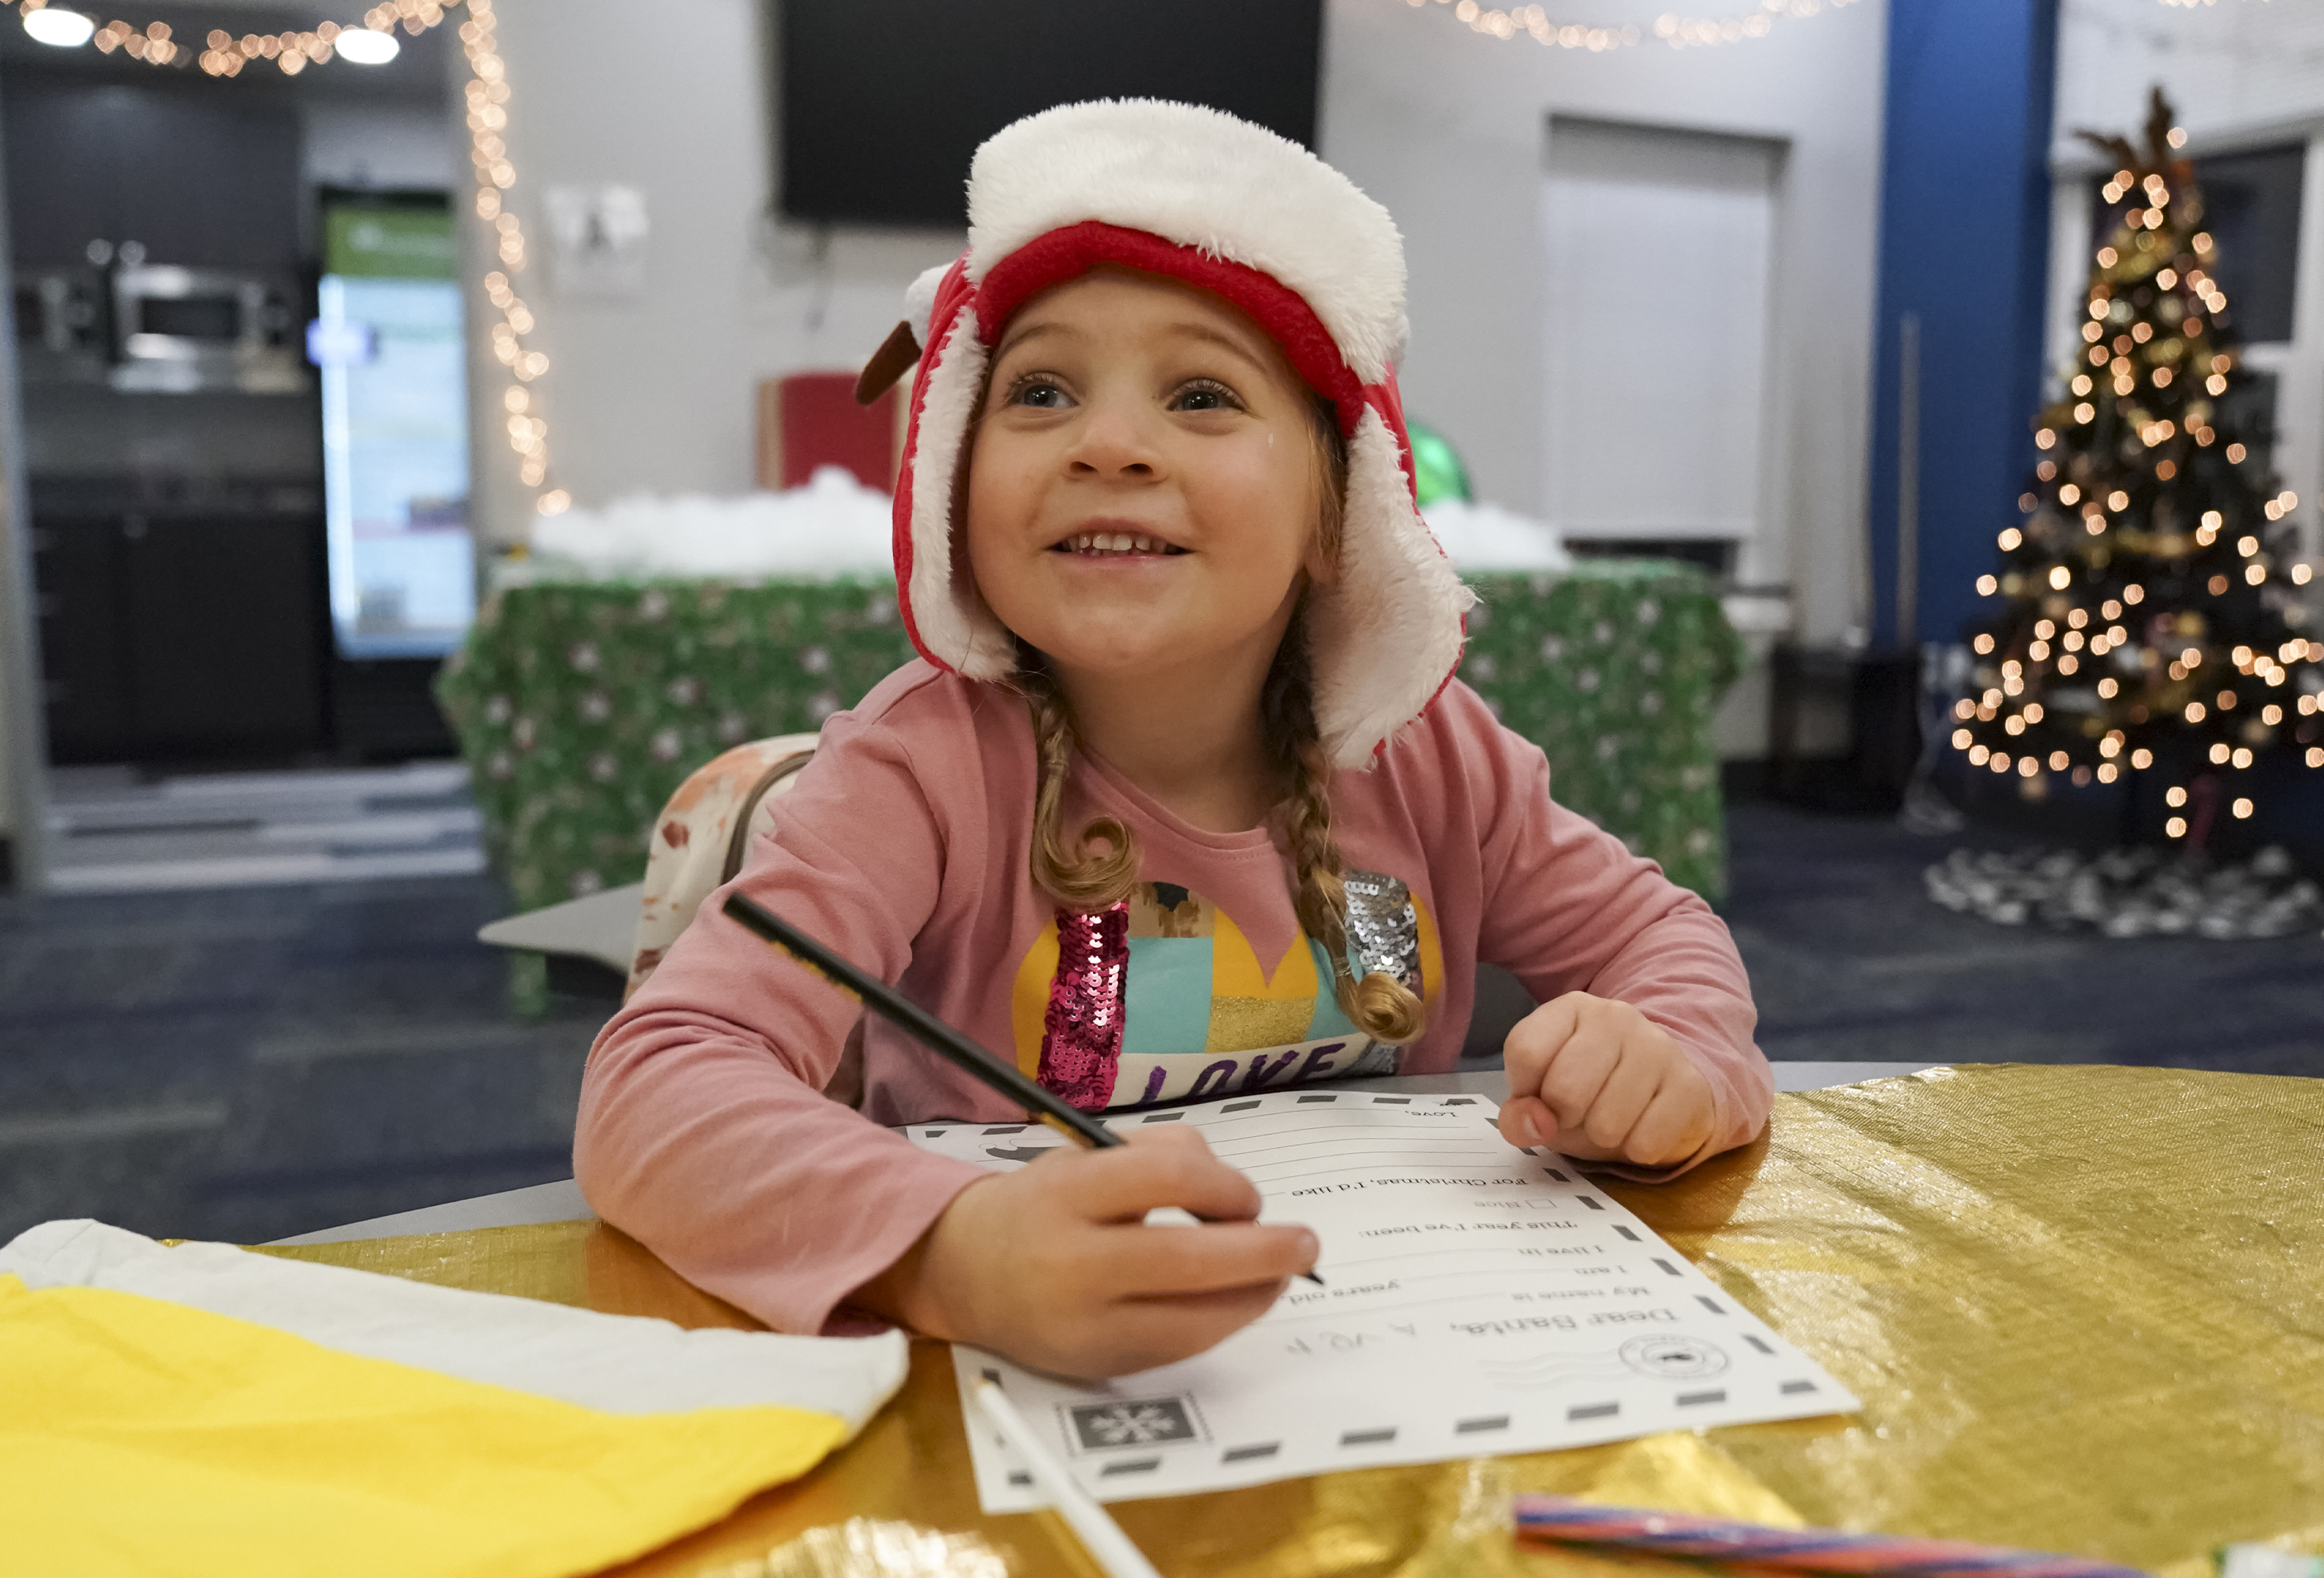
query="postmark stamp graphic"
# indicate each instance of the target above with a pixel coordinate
(1673, 1358)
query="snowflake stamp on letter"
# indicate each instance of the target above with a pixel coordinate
(1134, 1422)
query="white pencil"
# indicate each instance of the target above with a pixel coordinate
(1108, 1546)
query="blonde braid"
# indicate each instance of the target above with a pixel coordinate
(1075, 877)
(1380, 1005)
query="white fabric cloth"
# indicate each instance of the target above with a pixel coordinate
(621, 1364)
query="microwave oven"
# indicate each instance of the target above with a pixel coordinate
(178, 330)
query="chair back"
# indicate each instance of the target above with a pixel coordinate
(703, 834)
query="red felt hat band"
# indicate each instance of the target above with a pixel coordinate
(1068, 252)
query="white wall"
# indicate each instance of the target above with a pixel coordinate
(2236, 73)
(1450, 130)
(1447, 127)
(11, 768)
(24, 772)
(656, 394)
(2238, 76)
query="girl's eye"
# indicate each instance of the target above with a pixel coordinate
(1206, 395)
(1038, 394)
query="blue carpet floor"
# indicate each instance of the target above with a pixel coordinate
(246, 1064)
(1849, 959)
(252, 1063)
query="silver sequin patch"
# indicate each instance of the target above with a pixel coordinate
(1383, 927)
(1378, 1057)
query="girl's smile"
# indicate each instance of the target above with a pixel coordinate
(1117, 539)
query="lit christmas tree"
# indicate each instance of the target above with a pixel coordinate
(2153, 614)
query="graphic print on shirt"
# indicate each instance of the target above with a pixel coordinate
(1163, 998)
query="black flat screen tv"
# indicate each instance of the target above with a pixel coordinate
(882, 102)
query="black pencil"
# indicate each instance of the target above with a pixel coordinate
(932, 1032)
(893, 1006)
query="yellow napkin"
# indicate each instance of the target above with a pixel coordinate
(143, 1438)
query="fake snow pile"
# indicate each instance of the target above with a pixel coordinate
(833, 526)
(1486, 537)
(2130, 892)
(836, 526)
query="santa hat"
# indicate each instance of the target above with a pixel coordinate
(1234, 209)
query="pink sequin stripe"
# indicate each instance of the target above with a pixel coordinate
(1081, 1040)
(1559, 1520)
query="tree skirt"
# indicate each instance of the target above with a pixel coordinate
(2130, 892)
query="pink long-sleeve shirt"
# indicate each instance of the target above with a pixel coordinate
(703, 1130)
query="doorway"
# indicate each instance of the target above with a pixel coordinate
(1658, 254)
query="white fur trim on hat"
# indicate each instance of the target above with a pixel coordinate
(1383, 636)
(1205, 180)
(952, 619)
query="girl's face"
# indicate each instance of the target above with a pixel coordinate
(1143, 491)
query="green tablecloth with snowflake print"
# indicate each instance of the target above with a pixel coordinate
(581, 706)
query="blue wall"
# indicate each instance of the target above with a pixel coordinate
(1964, 243)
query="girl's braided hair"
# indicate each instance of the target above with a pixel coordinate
(1379, 1005)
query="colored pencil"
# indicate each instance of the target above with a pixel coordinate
(1108, 1546)
(1560, 1520)
(932, 1032)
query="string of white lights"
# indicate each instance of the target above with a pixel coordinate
(372, 42)
(487, 95)
(369, 43)
(1678, 32)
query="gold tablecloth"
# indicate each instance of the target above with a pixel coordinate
(2084, 1307)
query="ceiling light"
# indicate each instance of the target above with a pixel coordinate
(362, 46)
(65, 29)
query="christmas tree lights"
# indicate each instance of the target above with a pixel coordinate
(2153, 617)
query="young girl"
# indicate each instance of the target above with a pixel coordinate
(1184, 801)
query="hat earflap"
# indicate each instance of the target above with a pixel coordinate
(943, 611)
(1385, 636)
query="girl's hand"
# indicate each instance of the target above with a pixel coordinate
(1599, 1081)
(1053, 1264)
